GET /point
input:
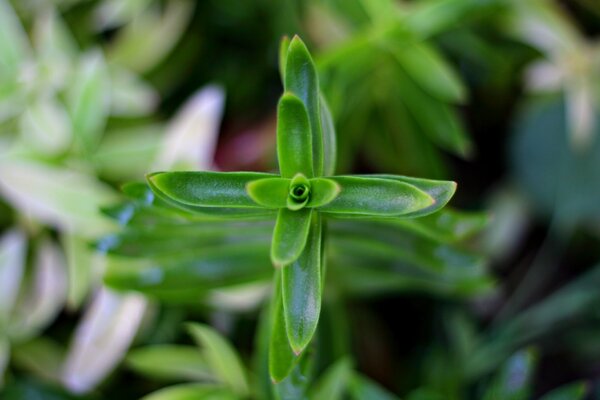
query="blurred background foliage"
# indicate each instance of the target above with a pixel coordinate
(497, 301)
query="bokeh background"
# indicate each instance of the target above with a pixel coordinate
(501, 96)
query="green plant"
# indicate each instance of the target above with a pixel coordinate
(302, 196)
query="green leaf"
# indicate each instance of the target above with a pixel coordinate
(204, 268)
(323, 191)
(364, 388)
(281, 356)
(269, 192)
(329, 139)
(294, 141)
(206, 189)
(59, 197)
(301, 290)
(144, 44)
(192, 391)
(301, 79)
(513, 382)
(14, 46)
(40, 357)
(377, 197)
(284, 45)
(334, 382)
(290, 235)
(89, 101)
(440, 191)
(573, 391)
(81, 260)
(436, 119)
(170, 362)
(221, 357)
(430, 71)
(4, 357)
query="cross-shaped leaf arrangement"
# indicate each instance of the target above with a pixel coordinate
(303, 193)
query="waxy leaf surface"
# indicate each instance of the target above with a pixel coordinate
(301, 290)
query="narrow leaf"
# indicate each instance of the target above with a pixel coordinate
(294, 141)
(269, 192)
(170, 362)
(440, 191)
(301, 79)
(333, 384)
(89, 100)
(323, 191)
(329, 139)
(221, 357)
(206, 268)
(430, 71)
(206, 189)
(301, 290)
(281, 357)
(284, 45)
(290, 235)
(192, 391)
(377, 197)
(364, 388)
(573, 391)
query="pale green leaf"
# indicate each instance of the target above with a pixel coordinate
(221, 357)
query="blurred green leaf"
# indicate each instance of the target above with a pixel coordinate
(89, 100)
(333, 384)
(513, 382)
(14, 44)
(59, 197)
(46, 127)
(430, 71)
(202, 269)
(145, 42)
(555, 176)
(221, 357)
(192, 391)
(364, 388)
(573, 391)
(41, 356)
(170, 362)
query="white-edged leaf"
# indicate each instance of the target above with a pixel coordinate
(144, 42)
(45, 127)
(88, 100)
(128, 154)
(192, 135)
(13, 248)
(130, 94)
(14, 45)
(59, 197)
(44, 295)
(102, 339)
